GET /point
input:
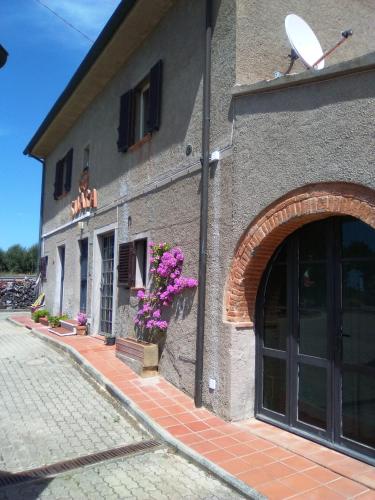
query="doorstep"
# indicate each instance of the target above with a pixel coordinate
(274, 462)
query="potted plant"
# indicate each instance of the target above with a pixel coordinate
(141, 353)
(81, 327)
(41, 316)
(54, 321)
(109, 339)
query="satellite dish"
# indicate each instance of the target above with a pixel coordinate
(304, 42)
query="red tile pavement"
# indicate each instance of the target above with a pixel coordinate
(275, 462)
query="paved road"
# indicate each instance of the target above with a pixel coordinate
(49, 412)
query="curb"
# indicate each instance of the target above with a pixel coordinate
(145, 420)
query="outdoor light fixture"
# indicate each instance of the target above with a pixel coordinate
(3, 56)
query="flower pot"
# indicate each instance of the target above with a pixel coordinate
(109, 340)
(43, 321)
(141, 357)
(81, 330)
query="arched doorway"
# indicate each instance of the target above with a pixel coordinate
(315, 326)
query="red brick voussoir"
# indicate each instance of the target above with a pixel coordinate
(274, 224)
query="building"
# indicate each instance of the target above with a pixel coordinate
(290, 293)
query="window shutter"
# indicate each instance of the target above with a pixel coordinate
(126, 125)
(43, 267)
(69, 168)
(126, 265)
(59, 179)
(156, 74)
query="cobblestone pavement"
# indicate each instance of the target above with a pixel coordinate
(50, 412)
(156, 475)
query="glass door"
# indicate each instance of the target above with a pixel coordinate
(356, 366)
(316, 335)
(311, 287)
(106, 285)
(62, 277)
(83, 274)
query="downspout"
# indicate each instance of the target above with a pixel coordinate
(204, 208)
(41, 204)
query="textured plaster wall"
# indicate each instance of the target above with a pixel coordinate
(284, 140)
(164, 213)
(262, 44)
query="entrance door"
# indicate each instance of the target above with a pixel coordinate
(316, 335)
(83, 271)
(62, 277)
(106, 284)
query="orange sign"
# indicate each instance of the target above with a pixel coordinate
(87, 198)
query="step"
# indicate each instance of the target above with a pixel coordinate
(61, 331)
(69, 324)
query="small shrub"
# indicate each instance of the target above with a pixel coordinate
(40, 313)
(54, 321)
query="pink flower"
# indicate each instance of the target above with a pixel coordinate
(141, 294)
(156, 314)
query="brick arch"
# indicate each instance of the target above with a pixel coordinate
(274, 224)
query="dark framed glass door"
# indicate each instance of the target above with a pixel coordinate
(62, 277)
(84, 246)
(316, 335)
(106, 284)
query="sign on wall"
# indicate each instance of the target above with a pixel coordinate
(87, 198)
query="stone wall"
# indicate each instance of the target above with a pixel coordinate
(17, 293)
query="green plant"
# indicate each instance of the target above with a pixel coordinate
(40, 313)
(54, 321)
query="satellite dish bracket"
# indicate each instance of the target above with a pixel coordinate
(344, 36)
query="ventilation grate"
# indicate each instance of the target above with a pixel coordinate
(9, 478)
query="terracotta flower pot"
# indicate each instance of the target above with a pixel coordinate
(43, 321)
(81, 330)
(142, 357)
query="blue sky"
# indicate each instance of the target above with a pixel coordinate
(43, 55)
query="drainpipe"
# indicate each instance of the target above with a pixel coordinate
(204, 208)
(41, 204)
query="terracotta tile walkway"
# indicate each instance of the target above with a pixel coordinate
(276, 463)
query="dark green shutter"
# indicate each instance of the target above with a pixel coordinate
(43, 267)
(68, 170)
(59, 179)
(156, 76)
(126, 124)
(126, 265)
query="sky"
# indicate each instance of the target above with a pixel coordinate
(44, 53)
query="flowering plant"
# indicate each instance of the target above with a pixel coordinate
(82, 319)
(167, 282)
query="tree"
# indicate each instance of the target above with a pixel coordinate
(14, 258)
(31, 260)
(3, 265)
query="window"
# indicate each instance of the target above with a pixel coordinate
(132, 266)
(140, 263)
(142, 105)
(140, 110)
(63, 175)
(86, 157)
